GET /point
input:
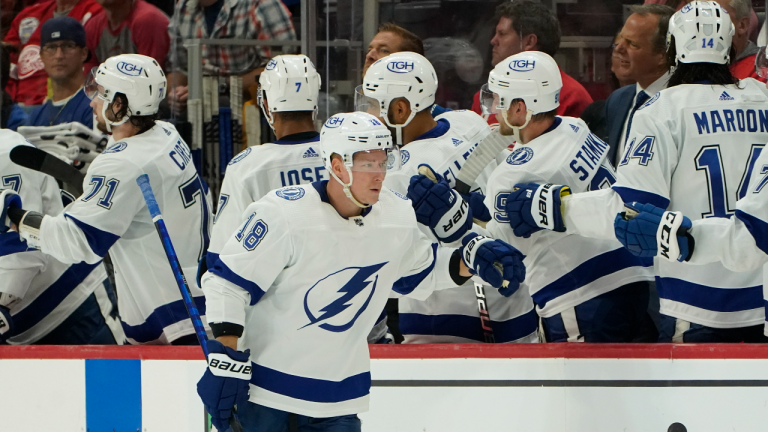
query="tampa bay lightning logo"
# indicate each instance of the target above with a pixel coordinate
(118, 147)
(357, 287)
(520, 156)
(290, 193)
(650, 101)
(404, 156)
(240, 156)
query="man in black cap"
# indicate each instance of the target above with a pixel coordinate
(63, 52)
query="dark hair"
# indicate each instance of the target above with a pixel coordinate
(294, 116)
(689, 73)
(532, 17)
(410, 42)
(144, 123)
(664, 13)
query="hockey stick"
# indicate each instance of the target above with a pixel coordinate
(484, 153)
(178, 273)
(485, 317)
(38, 160)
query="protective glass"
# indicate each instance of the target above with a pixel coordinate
(366, 104)
(91, 87)
(376, 161)
(490, 102)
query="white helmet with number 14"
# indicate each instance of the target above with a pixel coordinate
(703, 32)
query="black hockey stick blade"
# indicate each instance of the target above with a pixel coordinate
(38, 160)
(483, 154)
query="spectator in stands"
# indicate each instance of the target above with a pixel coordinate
(390, 39)
(528, 25)
(743, 62)
(641, 55)
(28, 83)
(11, 115)
(63, 53)
(127, 27)
(231, 19)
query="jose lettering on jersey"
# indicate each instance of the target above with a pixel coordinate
(303, 176)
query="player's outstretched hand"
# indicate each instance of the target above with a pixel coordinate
(225, 382)
(8, 199)
(438, 206)
(532, 207)
(648, 231)
(495, 261)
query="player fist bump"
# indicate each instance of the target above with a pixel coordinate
(8, 199)
(438, 206)
(648, 231)
(495, 261)
(225, 382)
(533, 207)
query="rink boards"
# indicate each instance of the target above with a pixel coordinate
(441, 388)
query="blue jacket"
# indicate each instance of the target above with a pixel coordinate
(78, 109)
(617, 108)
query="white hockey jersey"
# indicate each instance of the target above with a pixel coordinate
(452, 316)
(563, 271)
(258, 170)
(308, 285)
(111, 215)
(692, 148)
(49, 290)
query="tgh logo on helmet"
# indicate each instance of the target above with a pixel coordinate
(400, 66)
(271, 65)
(129, 68)
(522, 65)
(334, 122)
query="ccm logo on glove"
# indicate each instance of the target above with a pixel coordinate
(667, 225)
(221, 364)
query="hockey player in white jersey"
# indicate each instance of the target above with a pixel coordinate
(691, 149)
(298, 286)
(585, 290)
(400, 90)
(112, 216)
(44, 301)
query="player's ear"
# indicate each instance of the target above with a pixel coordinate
(337, 165)
(530, 42)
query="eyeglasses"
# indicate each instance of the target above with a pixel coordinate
(66, 47)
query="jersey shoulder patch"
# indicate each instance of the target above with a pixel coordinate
(290, 193)
(240, 156)
(404, 156)
(650, 101)
(116, 147)
(520, 156)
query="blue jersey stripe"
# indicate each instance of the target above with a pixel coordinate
(468, 327)
(588, 272)
(221, 270)
(311, 389)
(11, 243)
(406, 285)
(99, 241)
(633, 195)
(710, 298)
(162, 317)
(49, 299)
(112, 395)
(757, 227)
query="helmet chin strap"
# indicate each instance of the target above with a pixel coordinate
(347, 191)
(516, 129)
(399, 127)
(107, 121)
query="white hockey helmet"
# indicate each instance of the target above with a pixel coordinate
(532, 76)
(347, 134)
(138, 77)
(703, 31)
(288, 83)
(401, 75)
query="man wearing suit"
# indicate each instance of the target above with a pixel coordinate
(641, 53)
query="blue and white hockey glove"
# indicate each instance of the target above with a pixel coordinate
(225, 382)
(495, 261)
(533, 207)
(438, 206)
(648, 231)
(8, 199)
(6, 324)
(476, 202)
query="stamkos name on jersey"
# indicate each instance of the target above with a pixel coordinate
(727, 120)
(591, 152)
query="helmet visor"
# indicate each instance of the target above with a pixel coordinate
(366, 104)
(91, 87)
(376, 161)
(490, 102)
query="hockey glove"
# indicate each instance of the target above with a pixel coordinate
(438, 206)
(6, 324)
(648, 231)
(225, 382)
(8, 199)
(532, 207)
(496, 262)
(477, 206)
